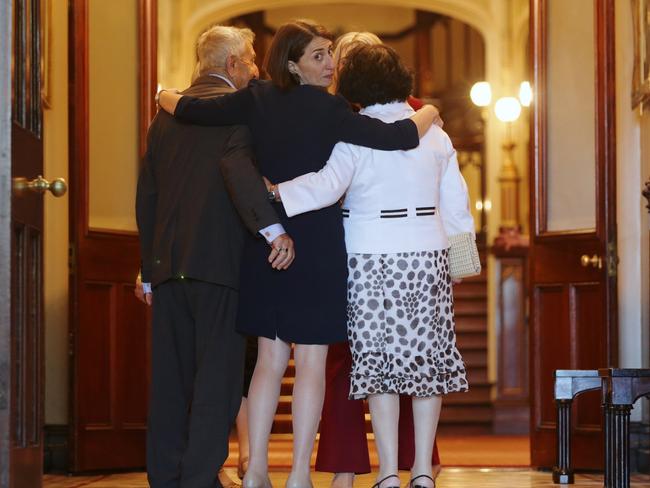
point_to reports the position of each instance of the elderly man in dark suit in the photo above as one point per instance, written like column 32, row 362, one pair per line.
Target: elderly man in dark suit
column 191, row 237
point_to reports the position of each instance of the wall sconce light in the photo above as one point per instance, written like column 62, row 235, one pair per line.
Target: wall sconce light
column 481, row 94
column 507, row 110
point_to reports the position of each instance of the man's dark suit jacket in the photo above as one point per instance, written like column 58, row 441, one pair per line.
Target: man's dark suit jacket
column 189, row 227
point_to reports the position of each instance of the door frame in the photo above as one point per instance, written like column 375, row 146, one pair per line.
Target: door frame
column 6, row 40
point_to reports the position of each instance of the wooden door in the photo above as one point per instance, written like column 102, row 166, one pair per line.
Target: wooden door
column 21, row 363
column 573, row 208
column 112, row 84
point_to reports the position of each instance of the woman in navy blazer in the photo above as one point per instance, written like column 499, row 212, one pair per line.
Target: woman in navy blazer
column 295, row 124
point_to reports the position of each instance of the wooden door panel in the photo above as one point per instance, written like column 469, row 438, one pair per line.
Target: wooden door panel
column 587, row 313
column 112, row 417
column 133, row 359
column 109, row 367
column 549, row 302
column 94, row 348
column 27, row 336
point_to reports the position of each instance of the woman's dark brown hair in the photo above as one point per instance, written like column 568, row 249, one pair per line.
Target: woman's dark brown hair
column 374, row 74
column 289, row 44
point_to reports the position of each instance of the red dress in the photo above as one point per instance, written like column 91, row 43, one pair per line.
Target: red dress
column 343, row 446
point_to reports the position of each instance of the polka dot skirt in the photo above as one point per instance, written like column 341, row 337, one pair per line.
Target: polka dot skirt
column 401, row 325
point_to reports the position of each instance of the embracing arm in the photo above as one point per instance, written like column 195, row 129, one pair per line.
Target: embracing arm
column 244, row 183
column 369, row 132
column 168, row 99
column 248, row 194
column 454, row 198
column 233, row 108
column 424, row 118
column 313, row 191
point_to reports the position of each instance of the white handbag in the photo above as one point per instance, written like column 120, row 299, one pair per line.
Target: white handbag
column 464, row 260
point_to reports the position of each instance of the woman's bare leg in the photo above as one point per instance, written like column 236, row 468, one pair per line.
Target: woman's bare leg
column 342, row 480
column 306, row 406
column 263, row 395
column 426, row 412
column 242, row 438
column 384, row 413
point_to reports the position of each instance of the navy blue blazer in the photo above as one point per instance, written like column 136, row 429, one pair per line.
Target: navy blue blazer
column 294, row 132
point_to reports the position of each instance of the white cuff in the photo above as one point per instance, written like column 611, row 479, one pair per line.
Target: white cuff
column 146, row 287
column 272, row 232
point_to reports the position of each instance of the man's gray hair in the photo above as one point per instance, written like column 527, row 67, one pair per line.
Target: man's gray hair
column 217, row 43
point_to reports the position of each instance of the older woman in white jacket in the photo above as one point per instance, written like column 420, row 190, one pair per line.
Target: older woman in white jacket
column 399, row 208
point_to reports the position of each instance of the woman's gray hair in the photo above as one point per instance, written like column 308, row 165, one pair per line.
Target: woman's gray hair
column 217, row 43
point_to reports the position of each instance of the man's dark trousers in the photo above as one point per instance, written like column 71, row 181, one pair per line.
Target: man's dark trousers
column 197, row 367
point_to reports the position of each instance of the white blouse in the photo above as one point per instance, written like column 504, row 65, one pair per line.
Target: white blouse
column 395, row 201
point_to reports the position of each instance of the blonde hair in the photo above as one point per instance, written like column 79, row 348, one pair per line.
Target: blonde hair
column 217, row 43
column 343, row 46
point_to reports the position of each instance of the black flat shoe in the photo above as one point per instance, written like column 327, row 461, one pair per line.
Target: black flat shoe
column 377, row 485
column 413, row 485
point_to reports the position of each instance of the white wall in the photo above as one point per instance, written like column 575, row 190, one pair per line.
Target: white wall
column 633, row 167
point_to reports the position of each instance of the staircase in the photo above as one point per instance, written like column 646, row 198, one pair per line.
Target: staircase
column 466, row 413
column 470, row 412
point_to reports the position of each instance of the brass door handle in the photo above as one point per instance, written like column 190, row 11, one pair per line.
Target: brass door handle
column 57, row 187
column 594, row 261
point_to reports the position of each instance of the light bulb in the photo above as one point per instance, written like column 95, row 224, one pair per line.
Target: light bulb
column 507, row 109
column 481, row 94
column 525, row 93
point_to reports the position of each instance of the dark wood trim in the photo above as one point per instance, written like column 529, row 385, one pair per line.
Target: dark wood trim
column 606, row 137
column 538, row 31
column 105, row 233
column 6, row 19
column 78, row 154
column 78, row 115
column 577, row 234
column 148, row 39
